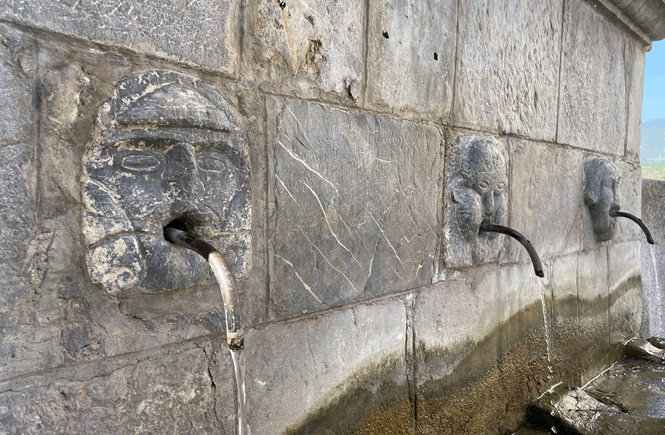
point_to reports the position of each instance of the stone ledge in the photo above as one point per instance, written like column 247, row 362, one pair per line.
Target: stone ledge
column 644, row 19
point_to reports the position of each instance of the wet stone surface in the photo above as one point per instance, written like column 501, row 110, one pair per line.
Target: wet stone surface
column 629, row 398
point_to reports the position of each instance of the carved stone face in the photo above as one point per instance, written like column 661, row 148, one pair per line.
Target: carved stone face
column 480, row 189
column 167, row 148
column 600, row 195
column 476, row 192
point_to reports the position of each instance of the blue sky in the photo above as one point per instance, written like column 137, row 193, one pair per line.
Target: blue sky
column 653, row 105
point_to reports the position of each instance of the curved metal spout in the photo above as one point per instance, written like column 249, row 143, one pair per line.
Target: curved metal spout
column 637, row 220
column 537, row 266
column 235, row 337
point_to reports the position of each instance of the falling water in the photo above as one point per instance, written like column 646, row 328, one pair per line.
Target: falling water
column 547, row 333
column 238, row 356
column 658, row 292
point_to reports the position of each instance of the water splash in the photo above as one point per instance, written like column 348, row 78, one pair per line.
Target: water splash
column 658, row 292
column 547, row 333
column 238, row 356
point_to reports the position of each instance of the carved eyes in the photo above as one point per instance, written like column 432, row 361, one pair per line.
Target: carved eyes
column 609, row 183
column 140, row 162
column 484, row 185
column 211, row 162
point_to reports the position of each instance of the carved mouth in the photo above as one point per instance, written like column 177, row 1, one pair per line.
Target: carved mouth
column 179, row 223
column 486, row 234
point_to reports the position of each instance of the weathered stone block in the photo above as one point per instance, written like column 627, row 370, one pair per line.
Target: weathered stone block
column 120, row 399
column 635, row 58
column 17, row 67
column 30, row 336
column 564, row 289
column 625, row 293
column 412, row 55
column 592, row 112
column 592, row 290
column 173, row 29
column 356, row 199
column 298, row 370
column 17, row 203
column 509, row 66
column 462, row 365
column 567, row 342
column 322, row 39
column 546, row 205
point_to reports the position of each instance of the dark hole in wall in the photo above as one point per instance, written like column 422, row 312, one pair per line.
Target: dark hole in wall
column 281, row 3
column 385, row 34
column 436, row 56
column 180, row 224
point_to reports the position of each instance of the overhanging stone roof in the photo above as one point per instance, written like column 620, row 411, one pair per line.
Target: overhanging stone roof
column 645, row 19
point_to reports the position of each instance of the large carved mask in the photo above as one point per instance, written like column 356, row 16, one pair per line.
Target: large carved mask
column 477, row 192
column 166, row 148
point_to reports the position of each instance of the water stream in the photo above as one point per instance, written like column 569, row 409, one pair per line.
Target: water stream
column 658, row 292
column 547, row 333
column 238, row 356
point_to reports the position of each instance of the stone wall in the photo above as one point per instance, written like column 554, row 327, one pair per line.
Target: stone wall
column 350, row 111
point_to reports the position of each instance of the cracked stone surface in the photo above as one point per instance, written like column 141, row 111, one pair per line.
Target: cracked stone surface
column 355, row 206
column 119, row 399
column 171, row 29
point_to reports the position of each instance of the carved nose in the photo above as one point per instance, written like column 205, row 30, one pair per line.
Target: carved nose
column 488, row 204
column 181, row 175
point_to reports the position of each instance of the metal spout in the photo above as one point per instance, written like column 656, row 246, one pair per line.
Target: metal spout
column 637, row 220
column 537, row 265
column 235, row 336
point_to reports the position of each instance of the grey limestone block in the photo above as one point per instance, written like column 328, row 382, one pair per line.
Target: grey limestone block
column 412, row 56
column 593, row 293
column 546, row 198
column 18, row 206
column 635, row 55
column 567, row 341
column 170, row 29
column 30, row 322
column 508, row 66
column 17, row 71
column 593, row 109
column 321, row 41
column 625, row 293
column 491, row 295
column 120, row 398
column 355, row 211
column 297, row 368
